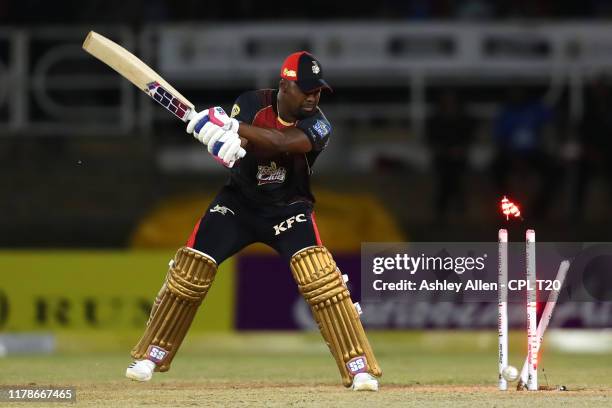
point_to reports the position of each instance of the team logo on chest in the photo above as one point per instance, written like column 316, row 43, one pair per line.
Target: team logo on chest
column 270, row 174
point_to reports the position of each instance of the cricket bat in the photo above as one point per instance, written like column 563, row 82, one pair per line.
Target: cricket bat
column 140, row 74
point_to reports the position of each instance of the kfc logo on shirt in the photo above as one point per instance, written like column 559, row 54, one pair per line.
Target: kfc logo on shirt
column 288, row 223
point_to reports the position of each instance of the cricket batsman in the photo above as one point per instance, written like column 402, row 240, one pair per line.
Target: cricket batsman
column 267, row 199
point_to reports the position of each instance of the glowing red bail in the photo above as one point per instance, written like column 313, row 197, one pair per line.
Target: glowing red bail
column 509, row 209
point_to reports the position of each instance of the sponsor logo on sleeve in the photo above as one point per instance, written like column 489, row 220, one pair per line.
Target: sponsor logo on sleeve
column 235, row 110
column 321, row 128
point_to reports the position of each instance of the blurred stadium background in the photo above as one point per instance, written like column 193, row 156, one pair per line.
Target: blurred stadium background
column 439, row 108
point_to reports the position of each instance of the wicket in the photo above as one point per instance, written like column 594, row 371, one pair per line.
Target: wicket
column 502, row 306
column 535, row 332
column 532, row 299
column 502, row 309
column 545, row 319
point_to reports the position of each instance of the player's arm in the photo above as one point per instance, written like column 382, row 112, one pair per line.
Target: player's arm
column 213, row 126
column 309, row 134
column 289, row 140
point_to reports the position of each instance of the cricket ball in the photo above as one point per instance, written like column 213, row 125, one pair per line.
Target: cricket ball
column 510, row 373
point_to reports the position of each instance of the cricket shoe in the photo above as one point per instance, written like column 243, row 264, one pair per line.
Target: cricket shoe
column 140, row 370
column 365, row 382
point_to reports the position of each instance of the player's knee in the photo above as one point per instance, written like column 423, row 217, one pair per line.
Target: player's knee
column 312, row 250
column 190, row 252
column 317, row 275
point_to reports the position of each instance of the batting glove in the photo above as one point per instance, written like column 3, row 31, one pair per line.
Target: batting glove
column 217, row 116
column 197, row 122
column 204, row 125
column 227, row 150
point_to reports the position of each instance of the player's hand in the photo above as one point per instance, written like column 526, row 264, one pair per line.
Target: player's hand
column 207, row 123
column 229, row 152
column 217, row 116
column 197, row 124
column 202, row 117
column 227, row 149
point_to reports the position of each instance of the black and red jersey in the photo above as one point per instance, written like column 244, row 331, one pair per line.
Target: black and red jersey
column 266, row 178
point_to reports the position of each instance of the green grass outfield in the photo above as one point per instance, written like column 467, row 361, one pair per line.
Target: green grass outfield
column 437, row 368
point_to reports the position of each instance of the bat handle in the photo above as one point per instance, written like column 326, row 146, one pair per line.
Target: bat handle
column 190, row 115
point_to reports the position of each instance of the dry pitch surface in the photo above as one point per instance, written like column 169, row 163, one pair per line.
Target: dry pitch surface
column 294, row 370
